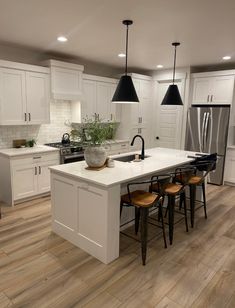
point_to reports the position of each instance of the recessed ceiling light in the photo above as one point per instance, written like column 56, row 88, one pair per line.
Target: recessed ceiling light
column 62, row 39
column 226, row 58
column 121, row 55
column 159, row 66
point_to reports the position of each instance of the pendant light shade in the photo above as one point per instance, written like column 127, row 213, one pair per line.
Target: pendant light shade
column 172, row 96
column 125, row 92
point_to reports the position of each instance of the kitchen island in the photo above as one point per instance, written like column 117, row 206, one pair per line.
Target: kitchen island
column 86, row 204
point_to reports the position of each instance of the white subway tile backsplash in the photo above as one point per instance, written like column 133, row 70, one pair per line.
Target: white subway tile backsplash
column 60, row 112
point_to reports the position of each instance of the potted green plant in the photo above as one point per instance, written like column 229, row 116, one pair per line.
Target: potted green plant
column 93, row 133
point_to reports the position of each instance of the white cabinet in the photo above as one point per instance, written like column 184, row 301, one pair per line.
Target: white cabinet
column 26, row 176
column 24, row 181
column 137, row 118
column 97, row 96
column 37, row 98
column 213, row 89
column 66, row 80
column 24, row 96
column 43, row 176
column 13, row 97
column 229, row 175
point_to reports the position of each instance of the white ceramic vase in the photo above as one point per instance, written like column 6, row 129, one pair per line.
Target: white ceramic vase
column 95, row 156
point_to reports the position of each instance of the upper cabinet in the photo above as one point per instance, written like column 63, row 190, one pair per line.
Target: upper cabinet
column 213, row 88
column 97, row 98
column 24, row 94
column 66, row 80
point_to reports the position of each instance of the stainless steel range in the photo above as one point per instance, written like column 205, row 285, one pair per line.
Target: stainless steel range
column 69, row 152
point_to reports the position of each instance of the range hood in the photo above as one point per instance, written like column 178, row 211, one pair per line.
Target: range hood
column 66, row 80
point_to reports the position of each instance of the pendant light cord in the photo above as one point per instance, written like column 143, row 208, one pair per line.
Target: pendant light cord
column 127, row 30
column 174, row 66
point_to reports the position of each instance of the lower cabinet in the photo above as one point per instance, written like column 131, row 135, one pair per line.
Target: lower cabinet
column 229, row 175
column 25, row 176
column 24, row 181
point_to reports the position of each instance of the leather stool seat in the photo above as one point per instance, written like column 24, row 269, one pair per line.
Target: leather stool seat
column 140, row 198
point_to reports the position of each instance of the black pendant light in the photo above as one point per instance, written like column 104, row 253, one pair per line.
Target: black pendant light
column 172, row 96
column 125, row 92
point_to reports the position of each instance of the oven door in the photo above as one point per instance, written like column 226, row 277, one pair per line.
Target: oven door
column 71, row 158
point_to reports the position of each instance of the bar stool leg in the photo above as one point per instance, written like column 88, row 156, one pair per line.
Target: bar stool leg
column 192, row 189
column 185, row 210
column 204, row 198
column 121, row 206
column 144, row 232
column 163, row 225
column 137, row 219
column 171, row 209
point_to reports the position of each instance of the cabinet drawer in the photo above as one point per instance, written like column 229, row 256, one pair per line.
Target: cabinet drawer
column 36, row 158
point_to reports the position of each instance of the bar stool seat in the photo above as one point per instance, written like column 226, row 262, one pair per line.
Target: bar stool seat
column 193, row 180
column 140, row 198
column 172, row 189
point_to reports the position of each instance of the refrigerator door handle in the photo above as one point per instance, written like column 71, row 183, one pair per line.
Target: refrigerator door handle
column 206, row 126
column 203, row 131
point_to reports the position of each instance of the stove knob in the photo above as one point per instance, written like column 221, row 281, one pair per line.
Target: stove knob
column 64, row 151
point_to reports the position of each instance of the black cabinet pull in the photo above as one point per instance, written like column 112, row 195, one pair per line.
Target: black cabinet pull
column 29, row 116
column 157, row 138
column 25, row 116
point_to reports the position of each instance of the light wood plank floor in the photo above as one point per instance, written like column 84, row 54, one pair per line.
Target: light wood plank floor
column 40, row 269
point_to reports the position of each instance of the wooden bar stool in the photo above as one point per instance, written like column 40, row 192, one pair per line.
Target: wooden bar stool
column 143, row 201
column 168, row 188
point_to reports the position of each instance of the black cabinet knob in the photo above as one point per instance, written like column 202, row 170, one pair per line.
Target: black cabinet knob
column 157, row 138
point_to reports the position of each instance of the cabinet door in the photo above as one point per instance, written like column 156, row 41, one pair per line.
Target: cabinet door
column 222, row 91
column 44, row 183
column 103, row 103
column 13, row 97
column 114, row 110
column 201, row 90
column 229, row 174
column 88, row 104
column 24, row 181
column 37, row 94
column 145, row 105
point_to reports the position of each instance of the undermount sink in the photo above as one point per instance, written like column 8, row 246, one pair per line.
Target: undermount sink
column 128, row 158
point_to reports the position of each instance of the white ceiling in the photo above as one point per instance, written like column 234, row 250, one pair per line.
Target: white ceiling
column 95, row 32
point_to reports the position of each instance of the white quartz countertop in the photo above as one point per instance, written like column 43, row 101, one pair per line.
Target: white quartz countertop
column 231, row 146
column 11, row 152
column 160, row 159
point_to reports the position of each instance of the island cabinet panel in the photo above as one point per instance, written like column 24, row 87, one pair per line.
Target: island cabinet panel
column 90, row 206
column 66, row 212
column 87, row 216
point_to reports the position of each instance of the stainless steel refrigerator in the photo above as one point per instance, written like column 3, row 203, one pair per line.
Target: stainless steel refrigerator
column 207, row 131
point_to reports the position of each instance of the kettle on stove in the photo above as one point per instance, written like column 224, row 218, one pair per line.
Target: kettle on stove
column 65, row 139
